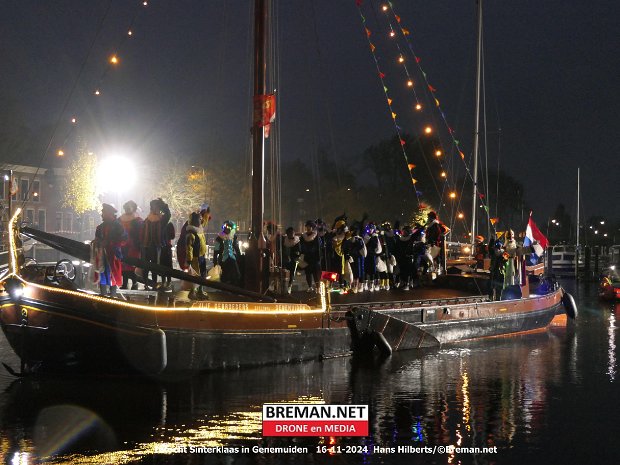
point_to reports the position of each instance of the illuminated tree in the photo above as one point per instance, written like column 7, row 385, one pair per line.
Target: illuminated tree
column 177, row 189
column 80, row 192
column 420, row 215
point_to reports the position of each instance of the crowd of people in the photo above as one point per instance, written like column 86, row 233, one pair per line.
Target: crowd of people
column 363, row 256
column 366, row 257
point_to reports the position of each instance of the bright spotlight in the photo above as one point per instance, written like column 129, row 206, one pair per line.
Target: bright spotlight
column 115, row 174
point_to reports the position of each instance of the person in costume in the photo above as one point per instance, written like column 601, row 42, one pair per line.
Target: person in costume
column 388, row 242
column 338, row 265
column 109, row 238
column 132, row 224
column 496, row 252
column 226, row 253
column 373, row 245
column 205, row 216
column 290, row 251
column 196, row 247
column 436, row 232
column 310, row 248
column 153, row 234
column 403, row 250
column 355, row 254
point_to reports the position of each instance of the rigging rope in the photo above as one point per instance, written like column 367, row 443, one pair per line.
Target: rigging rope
column 68, row 99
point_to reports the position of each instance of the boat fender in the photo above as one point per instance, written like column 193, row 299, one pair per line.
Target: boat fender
column 159, row 334
column 382, row 344
column 569, row 305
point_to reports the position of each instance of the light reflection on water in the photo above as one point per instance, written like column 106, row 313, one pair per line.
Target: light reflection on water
column 518, row 393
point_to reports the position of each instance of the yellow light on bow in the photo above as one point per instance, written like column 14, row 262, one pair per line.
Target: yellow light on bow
column 438, row 153
column 409, row 83
column 73, row 120
column 453, row 195
column 401, row 59
column 418, row 106
column 114, row 59
column 97, row 92
column 384, row 7
column 60, row 153
column 392, row 33
column 461, row 216
column 428, row 130
column 129, row 32
column 443, row 174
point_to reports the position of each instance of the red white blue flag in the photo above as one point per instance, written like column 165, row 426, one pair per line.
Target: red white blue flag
column 532, row 234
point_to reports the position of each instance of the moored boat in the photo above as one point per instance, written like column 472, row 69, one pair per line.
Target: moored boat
column 54, row 326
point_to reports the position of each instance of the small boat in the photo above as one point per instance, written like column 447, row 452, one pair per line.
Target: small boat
column 562, row 259
column 609, row 285
column 54, row 326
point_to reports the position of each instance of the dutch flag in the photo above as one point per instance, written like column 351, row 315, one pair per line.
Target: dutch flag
column 532, row 233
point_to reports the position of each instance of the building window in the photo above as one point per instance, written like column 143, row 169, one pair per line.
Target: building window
column 3, row 184
column 36, row 191
column 42, row 220
column 30, row 216
column 58, row 221
column 68, row 223
column 23, row 187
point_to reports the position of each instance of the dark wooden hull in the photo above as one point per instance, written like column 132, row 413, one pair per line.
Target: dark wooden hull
column 56, row 330
column 450, row 321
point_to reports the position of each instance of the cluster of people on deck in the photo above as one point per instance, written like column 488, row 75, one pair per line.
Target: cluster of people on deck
column 364, row 256
column 130, row 236
column 369, row 257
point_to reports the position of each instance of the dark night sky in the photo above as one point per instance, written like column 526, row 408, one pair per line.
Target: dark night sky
column 183, row 84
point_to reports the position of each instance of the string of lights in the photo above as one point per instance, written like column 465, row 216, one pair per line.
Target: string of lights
column 410, row 166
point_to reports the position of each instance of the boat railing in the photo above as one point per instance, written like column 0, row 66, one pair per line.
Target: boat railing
column 412, row 303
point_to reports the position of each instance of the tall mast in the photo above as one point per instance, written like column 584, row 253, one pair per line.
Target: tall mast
column 476, row 127
column 254, row 257
column 578, row 198
column 577, row 247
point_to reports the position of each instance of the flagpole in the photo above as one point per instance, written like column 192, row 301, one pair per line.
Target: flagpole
column 577, row 247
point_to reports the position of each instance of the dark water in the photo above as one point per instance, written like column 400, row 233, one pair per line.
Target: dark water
column 549, row 397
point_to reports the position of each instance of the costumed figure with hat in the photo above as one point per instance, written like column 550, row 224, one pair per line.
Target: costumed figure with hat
column 310, row 249
column 338, row 239
column 290, row 251
column 226, row 253
column 153, row 236
column 388, row 242
column 106, row 251
column 496, row 253
column 355, row 253
column 436, row 233
column 514, row 266
column 205, row 216
column 403, row 250
column 195, row 247
column 132, row 224
column 373, row 245
column 422, row 259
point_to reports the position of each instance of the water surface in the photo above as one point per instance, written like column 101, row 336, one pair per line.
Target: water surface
column 547, row 397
